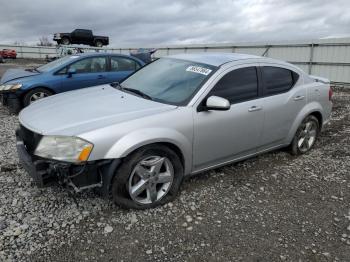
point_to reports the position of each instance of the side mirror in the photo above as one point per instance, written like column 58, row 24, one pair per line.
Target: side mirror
column 71, row 71
column 217, row 103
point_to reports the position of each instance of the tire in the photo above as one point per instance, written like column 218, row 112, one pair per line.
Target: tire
column 306, row 136
column 98, row 43
column 152, row 157
column 35, row 94
column 65, row 41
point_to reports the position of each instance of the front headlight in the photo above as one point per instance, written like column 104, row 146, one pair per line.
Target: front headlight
column 10, row 87
column 64, row 148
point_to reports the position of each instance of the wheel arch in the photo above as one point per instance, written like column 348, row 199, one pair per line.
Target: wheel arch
column 98, row 40
column 138, row 139
column 66, row 36
column 170, row 145
column 314, row 109
column 36, row 87
column 319, row 117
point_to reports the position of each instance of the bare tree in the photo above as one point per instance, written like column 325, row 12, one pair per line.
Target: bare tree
column 19, row 43
column 44, row 41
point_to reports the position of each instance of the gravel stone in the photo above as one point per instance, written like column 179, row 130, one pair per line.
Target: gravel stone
column 304, row 201
column 189, row 219
column 108, row 229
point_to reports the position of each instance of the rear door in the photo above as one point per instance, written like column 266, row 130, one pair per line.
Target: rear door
column 90, row 71
column 284, row 96
column 82, row 36
column 120, row 68
column 221, row 136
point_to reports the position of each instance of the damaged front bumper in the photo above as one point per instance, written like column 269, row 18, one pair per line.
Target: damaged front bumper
column 45, row 172
column 12, row 100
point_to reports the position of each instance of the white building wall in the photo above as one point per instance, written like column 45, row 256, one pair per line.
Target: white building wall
column 328, row 58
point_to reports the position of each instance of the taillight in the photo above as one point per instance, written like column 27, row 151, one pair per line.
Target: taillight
column 330, row 93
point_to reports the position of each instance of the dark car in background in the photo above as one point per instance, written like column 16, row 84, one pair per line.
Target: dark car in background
column 21, row 87
column 81, row 36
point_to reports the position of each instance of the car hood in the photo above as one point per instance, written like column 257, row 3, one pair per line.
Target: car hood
column 77, row 112
column 13, row 74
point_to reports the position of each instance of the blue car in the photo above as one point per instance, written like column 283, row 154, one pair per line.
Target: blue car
column 21, row 87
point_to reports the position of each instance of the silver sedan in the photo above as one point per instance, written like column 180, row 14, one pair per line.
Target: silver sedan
column 180, row 115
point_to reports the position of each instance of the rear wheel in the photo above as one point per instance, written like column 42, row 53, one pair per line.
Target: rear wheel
column 305, row 136
column 98, row 43
column 35, row 94
column 148, row 178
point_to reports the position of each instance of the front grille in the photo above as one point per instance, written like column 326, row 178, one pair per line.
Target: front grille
column 30, row 138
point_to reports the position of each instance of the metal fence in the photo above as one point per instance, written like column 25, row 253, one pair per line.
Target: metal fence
column 328, row 58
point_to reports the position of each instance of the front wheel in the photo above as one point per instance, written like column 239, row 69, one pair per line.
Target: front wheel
column 65, row 41
column 148, row 178
column 305, row 136
column 35, row 94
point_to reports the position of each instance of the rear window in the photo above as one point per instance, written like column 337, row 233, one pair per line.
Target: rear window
column 123, row 64
column 277, row 80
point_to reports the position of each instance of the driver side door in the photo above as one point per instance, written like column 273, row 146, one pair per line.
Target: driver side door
column 222, row 136
column 90, row 71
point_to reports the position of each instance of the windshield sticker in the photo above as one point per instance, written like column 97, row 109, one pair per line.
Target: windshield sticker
column 199, row 70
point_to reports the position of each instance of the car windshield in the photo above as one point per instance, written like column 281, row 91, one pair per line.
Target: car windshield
column 170, row 81
column 56, row 63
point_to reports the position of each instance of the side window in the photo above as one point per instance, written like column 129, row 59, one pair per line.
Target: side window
column 238, row 85
column 277, row 80
column 63, row 71
column 90, row 65
column 123, row 64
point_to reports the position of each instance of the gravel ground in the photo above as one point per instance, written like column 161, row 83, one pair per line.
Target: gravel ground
column 274, row 207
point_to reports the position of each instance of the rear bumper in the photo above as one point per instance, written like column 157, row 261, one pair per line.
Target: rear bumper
column 45, row 172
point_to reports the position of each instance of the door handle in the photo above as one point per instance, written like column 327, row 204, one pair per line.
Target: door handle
column 297, row 98
column 254, row 108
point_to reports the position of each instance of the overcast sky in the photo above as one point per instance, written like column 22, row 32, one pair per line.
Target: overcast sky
column 141, row 23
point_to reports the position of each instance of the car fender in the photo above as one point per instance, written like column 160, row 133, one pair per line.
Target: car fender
column 134, row 140
column 306, row 110
column 28, row 88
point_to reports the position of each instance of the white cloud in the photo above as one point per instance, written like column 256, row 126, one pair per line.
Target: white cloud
column 162, row 22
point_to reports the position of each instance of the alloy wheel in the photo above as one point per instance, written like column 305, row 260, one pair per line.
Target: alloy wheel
column 36, row 96
column 307, row 136
column 151, row 179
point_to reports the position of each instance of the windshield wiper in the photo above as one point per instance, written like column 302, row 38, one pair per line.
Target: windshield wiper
column 137, row 92
column 32, row 69
column 131, row 90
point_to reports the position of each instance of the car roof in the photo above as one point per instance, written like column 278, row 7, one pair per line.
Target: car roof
column 92, row 54
column 215, row 59
column 99, row 54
